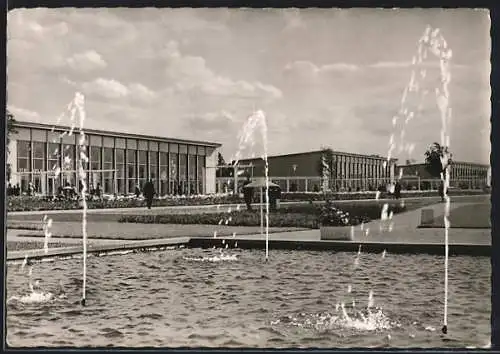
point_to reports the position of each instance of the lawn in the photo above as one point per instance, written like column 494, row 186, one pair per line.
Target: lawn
column 471, row 216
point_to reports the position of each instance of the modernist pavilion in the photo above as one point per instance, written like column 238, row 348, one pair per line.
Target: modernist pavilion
column 118, row 162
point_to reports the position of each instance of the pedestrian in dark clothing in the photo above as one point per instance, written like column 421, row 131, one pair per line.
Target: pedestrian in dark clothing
column 248, row 194
column 98, row 191
column 149, row 192
column 137, row 191
column 397, row 190
column 441, row 191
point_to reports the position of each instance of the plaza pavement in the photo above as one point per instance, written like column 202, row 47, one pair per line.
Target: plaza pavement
column 113, row 234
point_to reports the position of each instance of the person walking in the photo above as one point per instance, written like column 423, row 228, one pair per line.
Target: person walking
column 248, row 194
column 397, row 190
column 149, row 192
column 441, row 190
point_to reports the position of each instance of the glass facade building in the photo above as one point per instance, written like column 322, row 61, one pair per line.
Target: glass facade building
column 49, row 158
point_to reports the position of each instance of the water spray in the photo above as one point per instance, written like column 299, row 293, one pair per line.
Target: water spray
column 433, row 41
column 257, row 119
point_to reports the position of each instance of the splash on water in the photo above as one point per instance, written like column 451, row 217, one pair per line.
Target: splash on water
column 370, row 300
column 213, row 259
column 340, row 320
column 34, row 297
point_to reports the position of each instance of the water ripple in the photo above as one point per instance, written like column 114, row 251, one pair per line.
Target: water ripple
column 203, row 298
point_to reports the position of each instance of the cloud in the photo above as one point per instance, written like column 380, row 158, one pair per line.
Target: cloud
column 431, row 63
column 192, row 73
column 212, row 121
column 113, row 89
column 307, row 69
column 22, row 114
column 293, row 20
column 20, row 26
column 86, row 61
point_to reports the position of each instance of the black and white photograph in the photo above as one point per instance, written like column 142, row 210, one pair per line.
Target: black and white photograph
column 248, row 178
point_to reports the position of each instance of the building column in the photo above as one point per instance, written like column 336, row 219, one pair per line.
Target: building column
column 115, row 173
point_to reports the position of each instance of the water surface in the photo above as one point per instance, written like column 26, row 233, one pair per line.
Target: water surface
column 195, row 297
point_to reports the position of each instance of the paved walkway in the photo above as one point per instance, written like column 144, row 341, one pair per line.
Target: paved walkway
column 130, row 231
column 404, row 230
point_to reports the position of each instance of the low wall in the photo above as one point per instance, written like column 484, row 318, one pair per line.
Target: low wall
column 347, row 246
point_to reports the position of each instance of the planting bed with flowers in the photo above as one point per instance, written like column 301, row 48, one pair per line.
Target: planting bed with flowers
column 25, row 203
column 306, row 215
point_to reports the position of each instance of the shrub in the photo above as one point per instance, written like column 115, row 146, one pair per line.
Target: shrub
column 25, row 203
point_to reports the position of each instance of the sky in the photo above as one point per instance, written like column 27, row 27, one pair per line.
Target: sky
column 323, row 77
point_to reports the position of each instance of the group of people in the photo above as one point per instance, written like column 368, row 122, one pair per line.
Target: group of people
column 13, row 190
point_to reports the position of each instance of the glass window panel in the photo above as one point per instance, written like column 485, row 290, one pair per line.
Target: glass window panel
column 38, row 135
column 153, row 158
column 142, row 155
column 132, row 144
column 22, row 165
column 131, row 156
column 192, row 167
column 153, row 146
column 163, row 173
column 38, row 164
column 108, row 142
column 95, row 154
column 182, row 166
column 173, row 166
column 120, row 156
column 23, row 149
column 131, row 171
column 54, row 150
column 120, row 143
column 164, row 147
column 108, row 155
column 163, row 159
column 143, row 145
column 38, row 150
column 153, row 171
column 121, row 171
column 142, row 171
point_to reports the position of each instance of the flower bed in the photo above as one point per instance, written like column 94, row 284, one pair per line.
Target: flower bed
column 305, row 215
column 235, row 218
column 25, row 203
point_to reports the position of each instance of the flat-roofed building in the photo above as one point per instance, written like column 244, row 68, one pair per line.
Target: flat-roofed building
column 464, row 175
column 117, row 161
column 301, row 172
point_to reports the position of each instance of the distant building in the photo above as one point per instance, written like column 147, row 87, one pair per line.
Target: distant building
column 117, row 161
column 301, row 172
column 466, row 175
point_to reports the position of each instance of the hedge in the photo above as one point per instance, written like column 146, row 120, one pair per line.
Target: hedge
column 24, row 203
column 304, row 216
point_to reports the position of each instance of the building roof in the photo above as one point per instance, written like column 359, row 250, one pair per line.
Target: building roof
column 319, row 151
column 475, row 164
column 21, row 124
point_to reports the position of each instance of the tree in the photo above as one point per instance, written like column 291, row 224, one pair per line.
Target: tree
column 11, row 121
column 222, row 170
column 220, row 160
column 325, row 164
column 437, row 159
